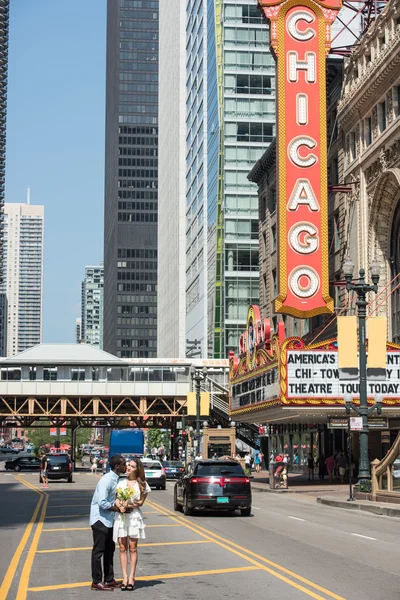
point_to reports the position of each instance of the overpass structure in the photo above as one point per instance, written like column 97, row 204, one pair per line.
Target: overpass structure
column 76, row 385
column 71, row 385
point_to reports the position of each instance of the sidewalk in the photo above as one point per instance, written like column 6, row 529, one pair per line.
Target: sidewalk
column 330, row 494
column 298, row 484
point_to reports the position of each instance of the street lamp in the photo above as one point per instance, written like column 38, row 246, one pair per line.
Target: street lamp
column 198, row 375
column 362, row 289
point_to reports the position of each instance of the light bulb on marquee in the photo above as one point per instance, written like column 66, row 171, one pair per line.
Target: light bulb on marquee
column 300, row 41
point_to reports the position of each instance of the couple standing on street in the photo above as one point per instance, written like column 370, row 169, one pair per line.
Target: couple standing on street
column 117, row 521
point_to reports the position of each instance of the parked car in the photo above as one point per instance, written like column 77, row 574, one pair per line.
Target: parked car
column 155, row 474
column 9, row 450
column 213, row 485
column 23, row 463
column 59, row 467
column 173, row 468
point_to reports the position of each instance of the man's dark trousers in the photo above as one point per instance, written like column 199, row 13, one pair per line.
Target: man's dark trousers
column 103, row 547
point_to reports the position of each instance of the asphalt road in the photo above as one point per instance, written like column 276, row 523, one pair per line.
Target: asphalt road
column 290, row 548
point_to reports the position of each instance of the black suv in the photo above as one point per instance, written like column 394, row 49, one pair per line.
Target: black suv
column 213, row 485
column 59, row 467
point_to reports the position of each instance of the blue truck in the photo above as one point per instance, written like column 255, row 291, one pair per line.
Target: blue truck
column 128, row 442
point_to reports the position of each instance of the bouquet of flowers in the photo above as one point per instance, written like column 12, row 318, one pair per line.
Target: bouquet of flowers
column 127, row 494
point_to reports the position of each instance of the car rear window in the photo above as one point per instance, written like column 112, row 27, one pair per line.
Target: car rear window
column 54, row 460
column 219, row 469
column 152, row 465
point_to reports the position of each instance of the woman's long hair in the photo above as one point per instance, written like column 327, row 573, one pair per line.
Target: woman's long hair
column 140, row 475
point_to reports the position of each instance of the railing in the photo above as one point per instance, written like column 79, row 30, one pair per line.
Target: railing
column 246, row 432
column 386, row 474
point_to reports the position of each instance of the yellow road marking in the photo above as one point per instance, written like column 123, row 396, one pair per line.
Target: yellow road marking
column 26, row 571
column 68, row 529
column 8, row 578
column 48, row 588
column 66, row 516
column 140, row 546
column 165, row 525
column 226, row 544
column 89, row 528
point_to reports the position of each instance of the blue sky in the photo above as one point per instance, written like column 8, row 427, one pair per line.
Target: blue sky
column 55, row 140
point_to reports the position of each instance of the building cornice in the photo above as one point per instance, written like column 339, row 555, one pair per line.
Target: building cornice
column 367, row 89
column 264, row 164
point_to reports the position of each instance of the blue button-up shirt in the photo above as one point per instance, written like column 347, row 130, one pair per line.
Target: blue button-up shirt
column 103, row 499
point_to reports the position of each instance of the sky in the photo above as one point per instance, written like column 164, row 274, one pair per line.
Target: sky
column 55, row 141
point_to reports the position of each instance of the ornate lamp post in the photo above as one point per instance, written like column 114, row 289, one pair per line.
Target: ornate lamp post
column 198, row 375
column 362, row 288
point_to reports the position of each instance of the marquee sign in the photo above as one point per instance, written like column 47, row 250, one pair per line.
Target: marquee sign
column 316, row 374
column 300, row 40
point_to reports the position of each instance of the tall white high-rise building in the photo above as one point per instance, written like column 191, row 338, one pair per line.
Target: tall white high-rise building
column 92, row 306
column 230, row 121
column 23, row 275
column 171, row 300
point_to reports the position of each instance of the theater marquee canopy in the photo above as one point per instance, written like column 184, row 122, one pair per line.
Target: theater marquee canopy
column 281, row 380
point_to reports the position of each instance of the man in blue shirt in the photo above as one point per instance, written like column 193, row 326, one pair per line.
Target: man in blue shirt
column 102, row 512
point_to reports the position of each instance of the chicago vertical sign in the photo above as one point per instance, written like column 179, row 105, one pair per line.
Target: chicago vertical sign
column 300, row 40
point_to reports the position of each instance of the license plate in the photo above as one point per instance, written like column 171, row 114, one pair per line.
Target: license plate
column 56, row 468
column 173, row 470
column 149, row 474
column 222, row 500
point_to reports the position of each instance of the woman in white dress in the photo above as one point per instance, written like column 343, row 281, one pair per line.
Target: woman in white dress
column 129, row 526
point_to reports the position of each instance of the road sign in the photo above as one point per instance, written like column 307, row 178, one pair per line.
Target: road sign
column 356, row 423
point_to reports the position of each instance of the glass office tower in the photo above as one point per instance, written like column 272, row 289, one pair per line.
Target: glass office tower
column 131, row 172
column 230, row 90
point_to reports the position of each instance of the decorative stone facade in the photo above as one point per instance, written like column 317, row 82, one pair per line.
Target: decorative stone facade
column 369, row 124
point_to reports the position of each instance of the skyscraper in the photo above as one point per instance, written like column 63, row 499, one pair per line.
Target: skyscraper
column 230, row 121
column 23, row 275
column 92, row 306
column 171, row 304
column 4, row 17
column 131, row 173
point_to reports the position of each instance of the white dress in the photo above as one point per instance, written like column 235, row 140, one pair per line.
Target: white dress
column 130, row 524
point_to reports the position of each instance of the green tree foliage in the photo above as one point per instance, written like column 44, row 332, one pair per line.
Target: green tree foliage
column 40, row 436
column 156, row 439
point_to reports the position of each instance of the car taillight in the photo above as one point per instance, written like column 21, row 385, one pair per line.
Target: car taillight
column 70, row 466
column 194, row 480
column 247, row 480
column 162, row 471
column 181, row 470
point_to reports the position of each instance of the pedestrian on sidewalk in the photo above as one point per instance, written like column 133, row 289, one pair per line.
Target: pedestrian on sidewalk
column 321, row 467
column 330, row 466
column 247, row 460
column 311, row 466
column 257, row 462
column 342, row 465
column 102, row 511
column 93, row 468
column 261, row 455
column 43, row 470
